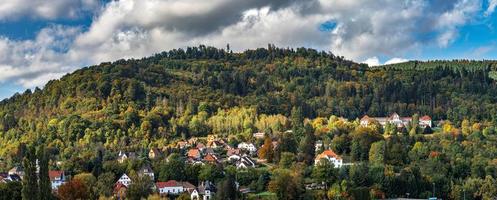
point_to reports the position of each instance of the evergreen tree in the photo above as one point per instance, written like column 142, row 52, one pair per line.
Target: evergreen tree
column 44, row 183
column 30, row 180
column 227, row 189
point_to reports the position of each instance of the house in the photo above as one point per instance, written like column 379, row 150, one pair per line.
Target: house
column 120, row 191
column 154, row 153
column 125, row 180
column 174, row 187
column 200, row 146
column 182, row 144
column 210, row 158
column 57, row 178
column 234, row 158
column 331, row 156
column 247, row 147
column 394, row 119
column 232, row 151
column 259, row 135
column 5, row 177
column 147, row 171
column 204, row 191
column 425, row 121
column 215, row 144
column 194, row 153
column 209, row 150
column 17, row 171
column 318, row 145
column 122, row 156
column 245, row 162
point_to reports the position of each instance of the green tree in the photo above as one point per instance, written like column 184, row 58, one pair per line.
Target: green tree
column 377, row 153
column 140, row 187
column 44, row 183
column 30, row 180
column 11, row 190
column 325, row 172
column 285, row 185
column 227, row 189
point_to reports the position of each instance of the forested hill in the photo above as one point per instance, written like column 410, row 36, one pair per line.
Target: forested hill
column 167, row 91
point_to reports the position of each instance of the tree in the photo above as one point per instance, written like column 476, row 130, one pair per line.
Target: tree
column 10, row 190
column 172, row 169
column 30, row 180
column 44, row 183
column 262, row 181
column 103, row 187
column 285, row 185
column 266, row 151
column 377, row 153
column 307, row 146
column 74, row 189
column 89, row 181
column 325, row 172
column 140, row 187
column 227, row 189
column 287, row 159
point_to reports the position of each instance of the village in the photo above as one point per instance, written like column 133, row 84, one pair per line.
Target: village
column 216, row 151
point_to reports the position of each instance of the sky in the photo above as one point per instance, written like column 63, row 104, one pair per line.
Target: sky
column 42, row 40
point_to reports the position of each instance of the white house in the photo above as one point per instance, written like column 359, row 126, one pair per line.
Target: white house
column 425, row 121
column 125, row 156
column 331, row 156
column 248, row 147
column 57, row 178
column 174, row 187
column 245, row 162
column 203, row 192
column 125, row 180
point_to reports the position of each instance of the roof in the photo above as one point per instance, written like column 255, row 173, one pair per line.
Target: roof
column 170, row 183
column 210, row 158
column 118, row 187
column 232, row 151
column 365, row 118
column 425, row 118
column 53, row 174
column 329, row 154
column 193, row 153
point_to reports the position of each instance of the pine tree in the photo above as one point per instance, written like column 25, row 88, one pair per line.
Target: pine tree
column 44, row 183
column 30, row 180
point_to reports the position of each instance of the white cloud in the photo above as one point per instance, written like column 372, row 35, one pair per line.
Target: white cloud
column 491, row 7
column 45, row 9
column 135, row 28
column 395, row 61
column 373, row 61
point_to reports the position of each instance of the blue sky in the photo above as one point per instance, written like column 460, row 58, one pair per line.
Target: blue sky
column 42, row 40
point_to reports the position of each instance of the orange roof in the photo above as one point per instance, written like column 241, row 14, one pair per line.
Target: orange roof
column 210, row 158
column 366, row 117
column 118, row 186
column 425, row 118
column 328, row 153
column 195, row 153
column 55, row 174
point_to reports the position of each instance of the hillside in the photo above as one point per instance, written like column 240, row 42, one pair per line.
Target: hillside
column 164, row 95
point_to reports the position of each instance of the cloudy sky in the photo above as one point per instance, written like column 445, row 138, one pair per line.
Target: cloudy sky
column 42, row 40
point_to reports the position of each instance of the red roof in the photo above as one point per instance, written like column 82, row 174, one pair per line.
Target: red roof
column 118, row 187
column 328, row 153
column 425, row 118
column 170, row 183
column 210, row 158
column 194, row 153
column 55, row 174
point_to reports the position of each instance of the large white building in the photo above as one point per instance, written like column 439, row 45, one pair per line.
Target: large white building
column 174, row 187
column 396, row 120
column 331, row 156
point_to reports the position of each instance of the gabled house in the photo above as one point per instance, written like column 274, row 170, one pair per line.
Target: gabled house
column 146, row 170
column 182, row 144
column 57, row 178
column 120, row 191
column 247, row 147
column 425, row 121
column 174, row 187
column 210, row 158
column 232, row 151
column 194, row 153
column 125, row 180
column 154, row 153
column 331, row 156
column 245, row 162
column 204, row 191
column 200, row 146
column 122, row 156
column 19, row 171
column 215, row 144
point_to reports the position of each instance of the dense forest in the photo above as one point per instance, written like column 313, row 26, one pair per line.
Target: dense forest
column 137, row 104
